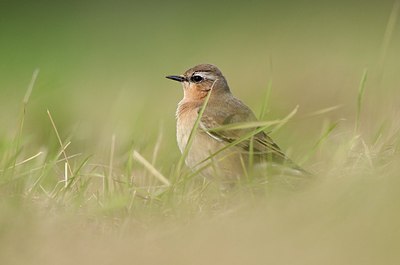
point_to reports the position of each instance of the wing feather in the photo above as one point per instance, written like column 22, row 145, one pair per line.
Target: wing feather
column 234, row 111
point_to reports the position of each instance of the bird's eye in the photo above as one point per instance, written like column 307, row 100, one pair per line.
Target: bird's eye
column 196, row 78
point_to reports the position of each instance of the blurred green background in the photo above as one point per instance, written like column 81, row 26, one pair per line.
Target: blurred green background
column 102, row 65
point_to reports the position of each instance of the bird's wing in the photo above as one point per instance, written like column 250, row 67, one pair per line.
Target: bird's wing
column 233, row 112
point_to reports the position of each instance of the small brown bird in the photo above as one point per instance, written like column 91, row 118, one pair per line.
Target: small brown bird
column 222, row 109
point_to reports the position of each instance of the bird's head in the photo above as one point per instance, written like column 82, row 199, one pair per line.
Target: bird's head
column 198, row 81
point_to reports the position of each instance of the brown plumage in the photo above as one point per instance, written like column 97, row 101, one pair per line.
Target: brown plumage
column 222, row 109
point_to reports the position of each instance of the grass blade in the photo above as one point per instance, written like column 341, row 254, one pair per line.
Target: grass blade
column 323, row 111
column 387, row 37
column 25, row 101
column 63, row 147
column 138, row 157
column 361, row 90
column 193, row 132
column 248, row 136
column 266, row 100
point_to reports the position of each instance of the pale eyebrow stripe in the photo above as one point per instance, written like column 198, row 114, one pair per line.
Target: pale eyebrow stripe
column 206, row 75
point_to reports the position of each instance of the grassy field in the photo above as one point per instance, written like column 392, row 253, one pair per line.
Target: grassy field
column 89, row 166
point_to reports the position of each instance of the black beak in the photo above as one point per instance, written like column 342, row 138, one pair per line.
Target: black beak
column 176, row 78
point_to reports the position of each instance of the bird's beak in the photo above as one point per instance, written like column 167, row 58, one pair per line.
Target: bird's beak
column 178, row 78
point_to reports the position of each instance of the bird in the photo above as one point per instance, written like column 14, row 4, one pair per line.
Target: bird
column 212, row 152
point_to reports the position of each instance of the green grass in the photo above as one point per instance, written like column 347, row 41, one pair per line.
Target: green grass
column 90, row 172
column 126, row 209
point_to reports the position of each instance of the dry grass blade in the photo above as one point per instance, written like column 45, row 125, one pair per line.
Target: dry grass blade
column 323, row 111
column 107, row 184
column 63, row 147
column 138, row 157
column 65, row 175
column 25, row 160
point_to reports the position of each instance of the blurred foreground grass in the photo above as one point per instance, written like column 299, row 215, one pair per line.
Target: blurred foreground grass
column 101, row 86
